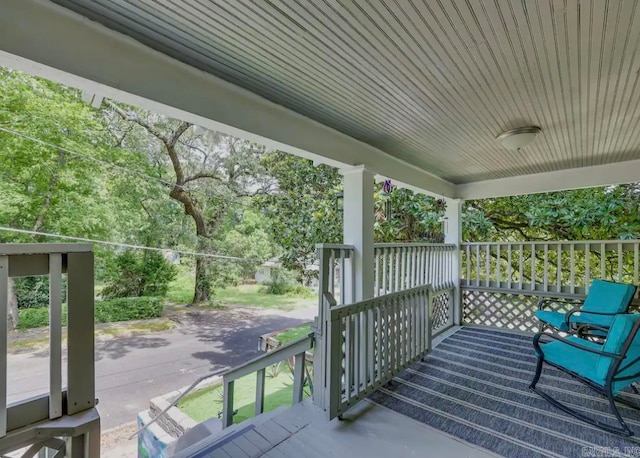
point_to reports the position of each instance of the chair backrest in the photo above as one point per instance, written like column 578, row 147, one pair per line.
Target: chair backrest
column 621, row 328
column 608, row 297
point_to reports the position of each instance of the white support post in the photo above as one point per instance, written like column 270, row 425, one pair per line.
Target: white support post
column 358, row 228
column 453, row 234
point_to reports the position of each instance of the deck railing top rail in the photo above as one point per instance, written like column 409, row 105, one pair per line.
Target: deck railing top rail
column 414, row 244
column 556, row 242
column 335, row 246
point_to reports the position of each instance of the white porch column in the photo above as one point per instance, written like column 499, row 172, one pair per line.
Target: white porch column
column 453, row 234
column 358, row 227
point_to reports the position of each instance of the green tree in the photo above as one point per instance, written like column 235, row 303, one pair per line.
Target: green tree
column 583, row 214
column 204, row 171
column 46, row 188
column 303, row 209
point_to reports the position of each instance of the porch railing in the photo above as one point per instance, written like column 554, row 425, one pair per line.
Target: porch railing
column 296, row 350
column 62, row 421
column 400, row 266
column 501, row 282
column 369, row 342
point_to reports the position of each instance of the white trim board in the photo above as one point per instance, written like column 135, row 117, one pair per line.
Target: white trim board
column 582, row 177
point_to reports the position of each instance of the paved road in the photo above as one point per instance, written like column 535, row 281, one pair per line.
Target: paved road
column 132, row 370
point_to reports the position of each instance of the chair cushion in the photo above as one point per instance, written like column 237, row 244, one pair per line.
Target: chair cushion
column 596, row 367
column 574, row 359
column 608, row 297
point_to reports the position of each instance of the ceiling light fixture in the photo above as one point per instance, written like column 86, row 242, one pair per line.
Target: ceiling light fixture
column 515, row 139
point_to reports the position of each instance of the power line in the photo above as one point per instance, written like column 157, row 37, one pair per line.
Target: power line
column 124, row 245
column 118, row 166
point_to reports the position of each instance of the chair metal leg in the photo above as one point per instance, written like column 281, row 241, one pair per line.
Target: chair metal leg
column 614, row 408
column 623, row 430
column 536, row 377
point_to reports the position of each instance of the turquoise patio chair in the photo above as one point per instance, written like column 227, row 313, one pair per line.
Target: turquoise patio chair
column 604, row 301
column 606, row 368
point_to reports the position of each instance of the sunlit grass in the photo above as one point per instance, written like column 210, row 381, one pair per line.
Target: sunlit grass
column 206, row 403
column 181, row 292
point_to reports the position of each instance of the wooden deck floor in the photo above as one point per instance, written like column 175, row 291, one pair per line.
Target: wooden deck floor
column 368, row 430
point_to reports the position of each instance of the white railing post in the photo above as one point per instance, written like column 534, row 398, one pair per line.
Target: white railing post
column 453, row 235
column 55, row 335
column 320, row 328
column 358, row 227
column 4, row 310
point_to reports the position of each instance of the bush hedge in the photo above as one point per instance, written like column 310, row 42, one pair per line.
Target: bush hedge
column 123, row 309
column 34, row 291
column 129, row 308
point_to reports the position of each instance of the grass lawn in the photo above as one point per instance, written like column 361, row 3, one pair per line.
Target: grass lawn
column 294, row 333
column 206, row 403
column 181, row 292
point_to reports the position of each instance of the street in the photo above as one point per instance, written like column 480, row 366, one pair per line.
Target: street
column 132, row 370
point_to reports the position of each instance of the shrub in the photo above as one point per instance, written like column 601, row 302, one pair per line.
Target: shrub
column 299, row 290
column 34, row 291
column 129, row 308
column 122, row 309
column 281, row 280
column 37, row 317
column 133, row 274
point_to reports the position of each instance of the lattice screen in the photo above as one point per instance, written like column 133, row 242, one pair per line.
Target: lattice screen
column 505, row 310
column 440, row 310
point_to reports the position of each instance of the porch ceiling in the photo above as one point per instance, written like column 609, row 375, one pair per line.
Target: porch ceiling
column 432, row 83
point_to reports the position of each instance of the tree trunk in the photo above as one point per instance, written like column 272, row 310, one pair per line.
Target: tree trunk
column 203, row 285
column 53, row 181
column 12, row 307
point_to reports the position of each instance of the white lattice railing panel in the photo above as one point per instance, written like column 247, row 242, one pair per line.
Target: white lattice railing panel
column 506, row 310
column 441, row 311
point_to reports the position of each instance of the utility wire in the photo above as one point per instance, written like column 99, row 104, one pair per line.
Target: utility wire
column 123, row 245
column 118, row 167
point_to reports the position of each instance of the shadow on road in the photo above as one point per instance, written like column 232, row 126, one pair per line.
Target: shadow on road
column 234, row 339
column 119, row 347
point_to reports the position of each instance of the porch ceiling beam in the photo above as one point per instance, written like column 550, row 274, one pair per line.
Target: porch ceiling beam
column 583, row 177
column 47, row 40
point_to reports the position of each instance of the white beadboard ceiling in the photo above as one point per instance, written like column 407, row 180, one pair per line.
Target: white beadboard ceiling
column 432, row 82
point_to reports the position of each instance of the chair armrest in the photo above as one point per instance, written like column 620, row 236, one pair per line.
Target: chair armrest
column 539, row 351
column 544, row 301
column 591, row 327
column 590, row 330
column 567, row 316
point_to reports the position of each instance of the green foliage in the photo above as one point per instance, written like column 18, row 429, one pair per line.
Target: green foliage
column 37, row 317
column 34, row 291
column 123, row 309
column 280, row 283
column 129, row 308
column 582, row 214
column 243, row 235
column 135, row 274
column 403, row 216
column 299, row 291
column 304, row 211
